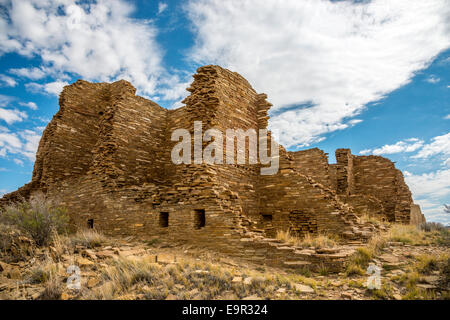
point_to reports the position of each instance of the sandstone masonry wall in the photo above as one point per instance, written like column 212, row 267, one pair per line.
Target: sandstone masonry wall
column 377, row 177
column 313, row 163
column 106, row 155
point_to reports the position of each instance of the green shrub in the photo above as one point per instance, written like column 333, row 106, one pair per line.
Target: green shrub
column 38, row 217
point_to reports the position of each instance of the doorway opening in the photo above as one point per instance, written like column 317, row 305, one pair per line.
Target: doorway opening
column 163, row 219
column 199, row 218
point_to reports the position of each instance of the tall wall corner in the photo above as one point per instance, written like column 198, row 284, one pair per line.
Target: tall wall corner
column 344, row 172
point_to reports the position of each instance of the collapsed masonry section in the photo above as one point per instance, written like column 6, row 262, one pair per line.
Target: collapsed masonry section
column 106, row 155
column 371, row 185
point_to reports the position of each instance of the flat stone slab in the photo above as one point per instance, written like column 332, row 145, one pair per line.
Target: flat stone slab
column 429, row 279
column 286, row 248
column 426, row 286
column 389, row 258
column 303, row 288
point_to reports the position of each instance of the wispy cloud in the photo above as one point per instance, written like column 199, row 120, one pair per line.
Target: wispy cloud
column 434, row 184
column 30, row 73
column 408, row 145
column 339, row 55
column 12, row 115
column 7, row 81
column 162, row 6
column 5, row 100
column 431, row 190
column 446, row 163
column 18, row 162
column 53, row 88
column 30, row 105
column 433, row 79
column 438, row 145
column 22, row 143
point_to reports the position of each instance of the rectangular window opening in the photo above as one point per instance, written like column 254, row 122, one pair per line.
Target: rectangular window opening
column 163, row 219
column 199, row 218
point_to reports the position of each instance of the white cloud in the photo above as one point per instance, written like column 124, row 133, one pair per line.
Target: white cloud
column 12, row 115
column 7, row 81
column 30, row 143
column 174, row 88
column 433, row 79
column 30, row 105
column 339, row 56
column 425, row 204
column 355, row 121
column 9, row 142
column 9, row 115
column 161, row 7
column 365, row 151
column 30, row 73
column 55, row 87
column 438, row 145
column 434, row 184
column 408, row 145
column 5, row 100
column 447, row 117
column 446, row 163
column 96, row 41
column 23, row 143
column 431, row 190
column 18, row 162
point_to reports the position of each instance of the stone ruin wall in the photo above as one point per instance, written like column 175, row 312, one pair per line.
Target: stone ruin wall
column 313, row 163
column 369, row 184
column 106, row 155
column 376, row 177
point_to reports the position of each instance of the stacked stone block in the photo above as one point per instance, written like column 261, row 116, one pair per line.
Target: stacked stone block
column 106, row 155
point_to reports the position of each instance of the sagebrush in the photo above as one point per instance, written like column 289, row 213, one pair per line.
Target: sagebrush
column 37, row 217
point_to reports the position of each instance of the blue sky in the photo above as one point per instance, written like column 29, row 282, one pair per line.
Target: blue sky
column 373, row 76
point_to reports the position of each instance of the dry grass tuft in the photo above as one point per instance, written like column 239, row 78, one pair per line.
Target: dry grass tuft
column 53, row 289
column 407, row 234
column 308, row 241
column 372, row 219
column 43, row 271
column 424, row 265
column 354, row 269
column 141, row 278
column 384, row 293
column 88, row 238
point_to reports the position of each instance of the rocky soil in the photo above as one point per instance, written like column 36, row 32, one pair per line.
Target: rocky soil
column 125, row 268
